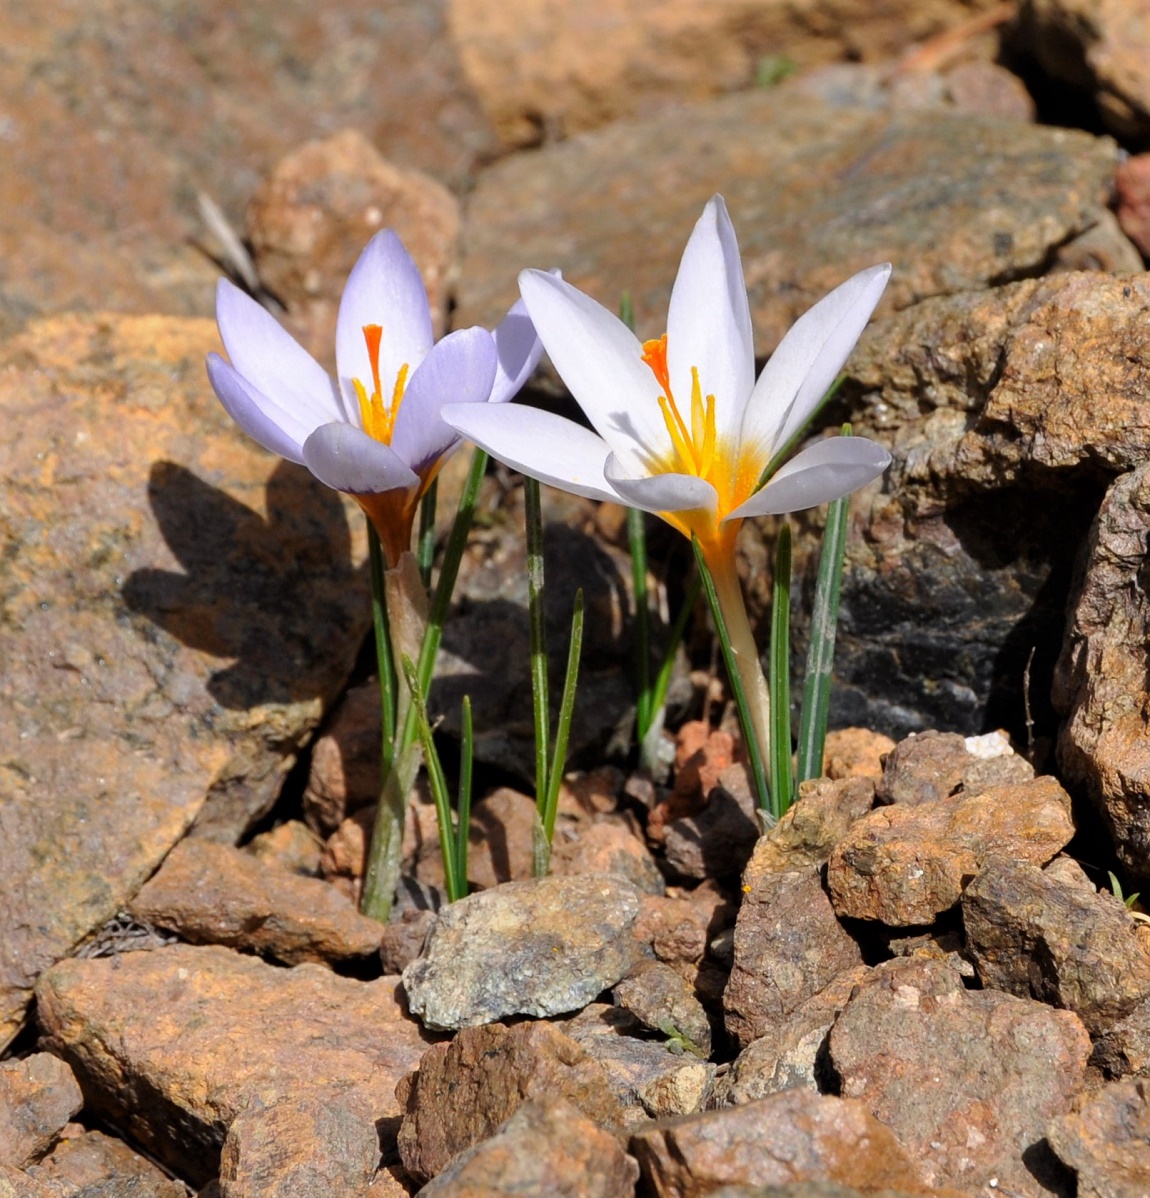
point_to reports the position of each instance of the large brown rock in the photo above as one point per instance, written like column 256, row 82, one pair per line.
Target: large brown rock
column 172, row 1045
column 966, row 1080
column 1101, row 679
column 88, row 1163
column 465, row 1090
column 545, row 68
column 38, row 1095
column 905, row 864
column 178, row 607
column 791, row 1137
column 1106, row 1141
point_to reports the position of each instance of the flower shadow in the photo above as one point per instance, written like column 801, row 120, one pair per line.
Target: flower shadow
column 279, row 595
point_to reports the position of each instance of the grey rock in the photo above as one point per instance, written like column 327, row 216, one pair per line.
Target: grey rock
column 559, row 941
column 664, row 1001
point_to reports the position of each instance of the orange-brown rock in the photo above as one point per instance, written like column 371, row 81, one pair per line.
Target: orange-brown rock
column 86, row 1162
column 608, row 844
column 791, row 1137
column 169, row 645
column 464, row 1090
column 291, row 845
column 38, row 1095
column 553, row 69
column 1106, row 1141
column 855, row 752
column 319, row 207
column 344, row 774
column 904, row 865
column 215, row 894
column 172, row 1045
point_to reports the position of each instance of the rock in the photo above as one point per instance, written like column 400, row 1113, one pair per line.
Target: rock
column 90, row 1164
column 1106, row 1141
column 173, row 1044
column 214, row 894
column 140, row 146
column 649, row 1077
column 990, row 402
column 305, row 1145
column 855, row 753
column 966, row 1080
column 716, row 843
column 934, row 765
column 403, row 939
column 811, row 827
column 552, row 70
column 311, row 217
column 1132, row 188
column 15, row 1183
column 945, row 946
column 664, row 1002
column 170, row 646
column 1123, row 1050
column 904, row 864
column 1100, row 682
column 559, row 941
column 1099, row 46
column 816, row 191
column 790, row 1053
column 291, row 846
column 501, row 842
column 796, row 1136
column 465, row 1090
column 344, row 774
column 548, row 1147
column 788, row 947
column 610, row 844
column 38, row 1095
column 1036, row 937
column 677, row 927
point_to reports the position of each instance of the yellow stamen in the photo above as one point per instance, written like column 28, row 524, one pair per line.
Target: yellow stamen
column 680, row 439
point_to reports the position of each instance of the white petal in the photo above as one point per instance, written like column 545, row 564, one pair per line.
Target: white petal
column 601, row 361
column 349, row 460
column 709, row 322
column 545, row 446
column 661, row 492
column 262, row 419
column 808, row 360
column 827, row 470
column 518, row 350
column 271, row 360
column 459, row 369
column 384, row 288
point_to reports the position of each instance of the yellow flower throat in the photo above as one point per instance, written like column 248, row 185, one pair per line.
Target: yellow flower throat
column 378, row 419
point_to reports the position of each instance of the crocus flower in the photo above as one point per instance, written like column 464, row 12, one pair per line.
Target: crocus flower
column 375, row 431
column 681, row 426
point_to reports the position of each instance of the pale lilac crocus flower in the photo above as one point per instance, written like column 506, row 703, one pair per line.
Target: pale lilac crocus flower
column 374, row 432
column 681, row 426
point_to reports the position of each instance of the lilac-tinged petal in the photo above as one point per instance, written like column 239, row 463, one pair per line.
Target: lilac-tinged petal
column 384, row 288
column 271, row 360
column 547, row 447
column 518, row 350
column 825, row 471
column 601, row 361
column 709, row 322
column 661, row 492
column 349, row 460
column 261, row 418
column 809, row 358
column 459, row 369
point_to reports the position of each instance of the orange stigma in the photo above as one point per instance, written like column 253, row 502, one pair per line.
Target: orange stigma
column 378, row 420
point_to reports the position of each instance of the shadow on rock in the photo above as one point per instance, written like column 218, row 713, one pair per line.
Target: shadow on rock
column 272, row 593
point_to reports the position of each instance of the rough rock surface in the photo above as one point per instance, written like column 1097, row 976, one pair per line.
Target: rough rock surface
column 1036, row 937
column 967, row 1080
column 554, row 69
column 788, row 947
column 291, row 845
column 38, row 1095
column 1100, row 682
column 608, row 844
column 904, row 864
column 548, row 1147
column 90, row 1164
column 796, row 1136
column 1124, row 1049
column 168, row 646
column 214, row 894
column 662, row 1000
column 1106, row 1141
column 300, row 1145
column 465, row 1090
column 171, row 1045
column 716, row 842
column 935, row 765
column 559, row 941
column 816, row 192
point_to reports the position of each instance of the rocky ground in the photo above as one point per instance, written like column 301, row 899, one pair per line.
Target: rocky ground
column 919, row 982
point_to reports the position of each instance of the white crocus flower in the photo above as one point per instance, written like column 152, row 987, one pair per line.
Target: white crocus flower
column 681, row 426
